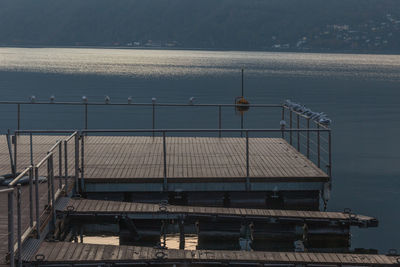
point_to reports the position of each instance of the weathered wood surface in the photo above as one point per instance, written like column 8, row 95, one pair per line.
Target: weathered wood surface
column 85, row 206
column 64, row 252
column 141, row 157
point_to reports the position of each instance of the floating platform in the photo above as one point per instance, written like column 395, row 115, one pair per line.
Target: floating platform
column 72, row 254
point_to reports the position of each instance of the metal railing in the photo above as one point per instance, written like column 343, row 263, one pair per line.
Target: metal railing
column 164, row 132
column 36, row 193
column 154, row 105
column 315, row 145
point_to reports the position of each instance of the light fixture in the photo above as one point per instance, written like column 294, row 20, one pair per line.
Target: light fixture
column 32, row 99
column 107, row 99
column 191, row 100
column 84, row 99
column 130, row 100
column 52, row 99
column 154, row 100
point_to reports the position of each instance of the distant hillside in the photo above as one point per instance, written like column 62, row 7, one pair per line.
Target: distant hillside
column 215, row 24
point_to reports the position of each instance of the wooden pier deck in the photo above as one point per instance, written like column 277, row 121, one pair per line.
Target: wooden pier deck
column 140, row 158
column 78, row 253
column 76, row 207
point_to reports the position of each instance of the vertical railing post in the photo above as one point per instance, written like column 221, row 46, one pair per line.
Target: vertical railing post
column 86, row 116
column 50, row 164
column 82, row 163
column 283, row 120
column 247, row 162
column 19, row 225
column 330, row 153
column 153, row 124
column 219, row 120
column 308, row 138
column 291, row 126
column 18, row 116
column 15, row 152
column 31, row 196
column 165, row 187
column 66, row 166
column 11, row 228
column 31, row 147
column 76, row 163
column 318, row 147
column 60, row 165
column 48, row 184
column 36, row 170
column 298, row 132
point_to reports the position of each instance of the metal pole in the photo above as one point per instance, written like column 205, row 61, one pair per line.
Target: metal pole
column 298, row 132
column 318, row 148
column 219, row 120
column 11, row 228
column 53, row 201
column 31, row 147
column 241, row 125
column 59, row 165
column 154, row 117
column 66, row 165
column 86, row 116
column 308, row 138
column 19, row 226
column 76, row 163
column 18, row 116
column 181, row 234
column 283, row 119
column 290, row 125
column 15, row 153
column 330, row 153
column 37, row 201
column 82, row 163
column 165, row 162
column 242, row 83
column 31, row 196
column 247, row 162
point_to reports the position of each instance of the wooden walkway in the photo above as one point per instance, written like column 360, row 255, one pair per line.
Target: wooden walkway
column 101, row 207
column 64, row 252
column 140, row 158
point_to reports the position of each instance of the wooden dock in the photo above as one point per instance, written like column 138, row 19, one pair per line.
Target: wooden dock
column 140, row 158
column 78, row 253
column 82, row 207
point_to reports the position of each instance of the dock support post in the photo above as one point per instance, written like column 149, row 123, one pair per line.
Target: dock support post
column 291, row 126
column 31, row 196
column 308, row 138
column 165, row 186
column 76, row 163
column 66, row 166
column 19, row 225
column 37, row 202
column 219, row 120
column 247, row 163
column 181, row 234
column 298, row 132
column 318, row 147
column 11, row 228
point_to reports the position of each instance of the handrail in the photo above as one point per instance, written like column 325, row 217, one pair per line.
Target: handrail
column 44, row 159
column 22, row 174
column 71, row 136
column 7, row 190
column 139, row 104
column 54, row 146
column 199, row 130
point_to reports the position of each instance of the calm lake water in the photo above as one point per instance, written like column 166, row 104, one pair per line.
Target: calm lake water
column 359, row 92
